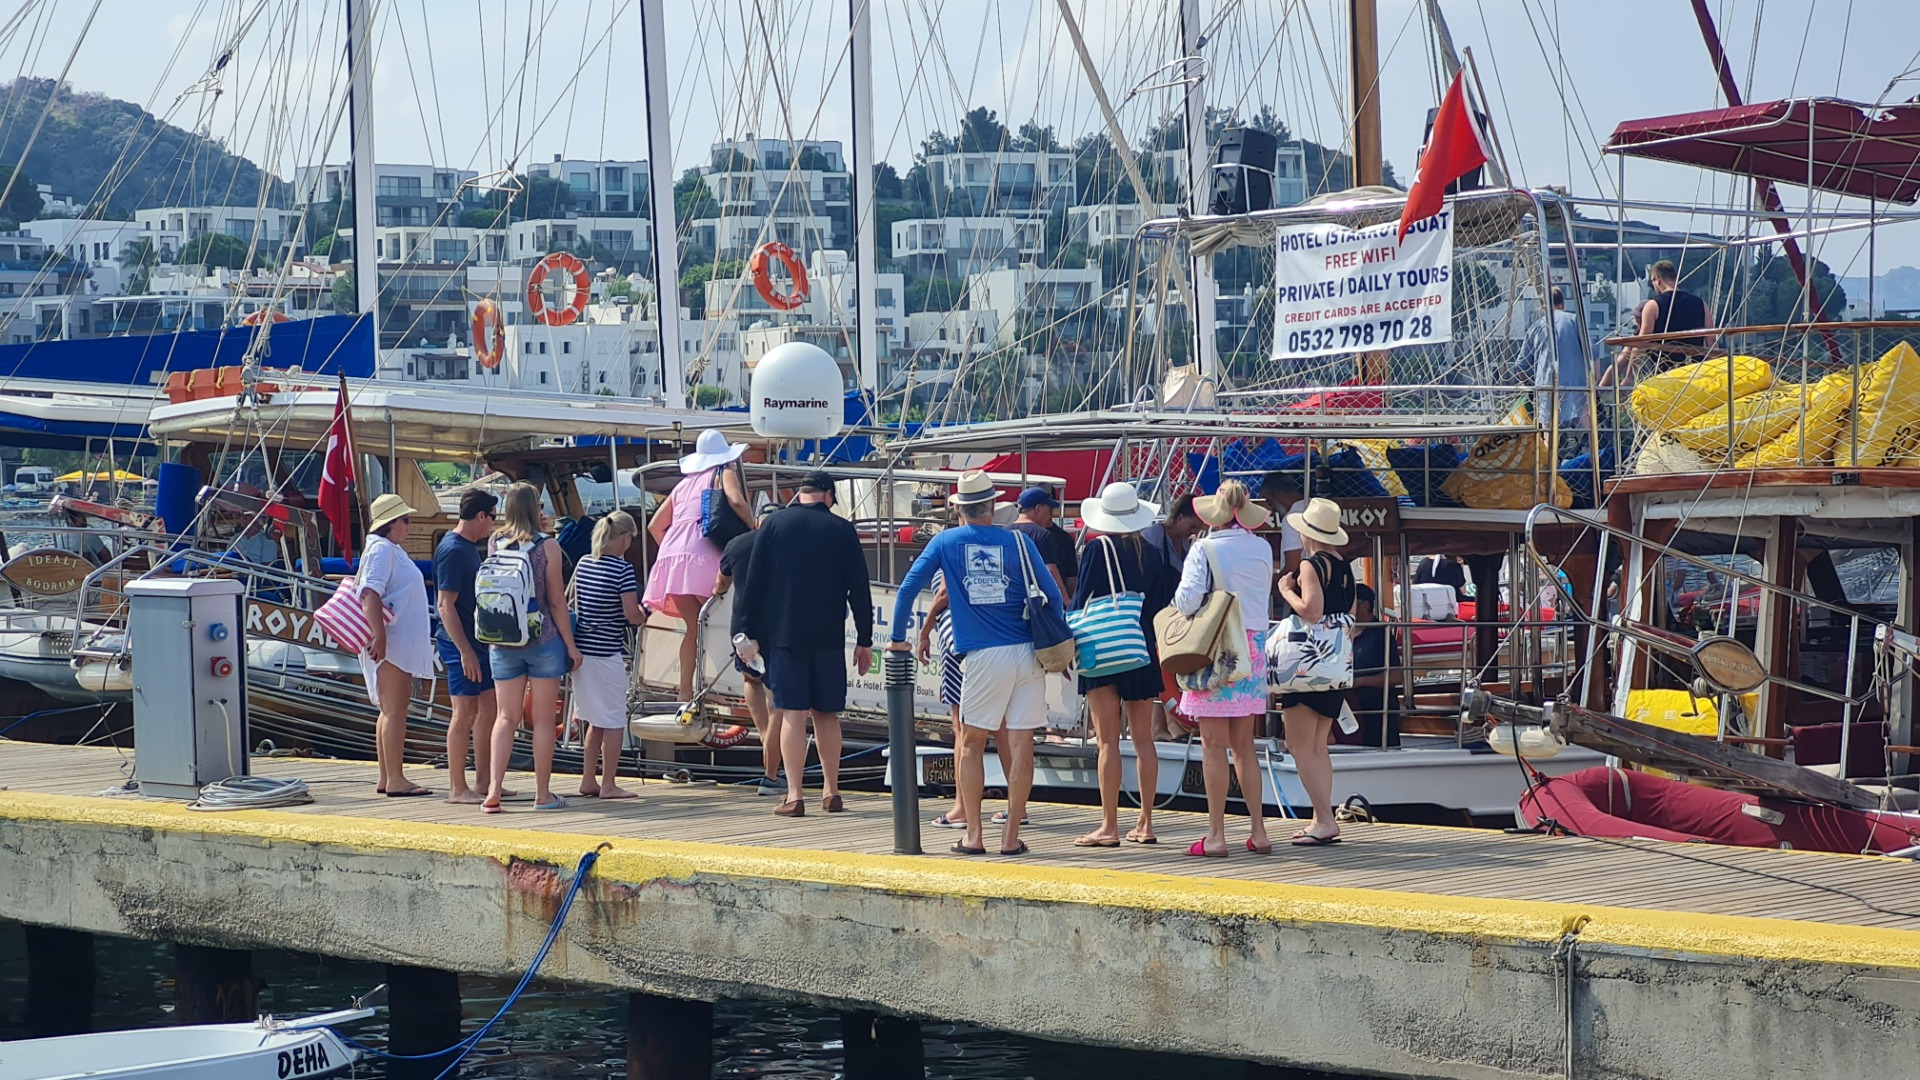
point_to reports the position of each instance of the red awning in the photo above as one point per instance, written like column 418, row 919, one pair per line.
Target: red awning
column 1836, row 146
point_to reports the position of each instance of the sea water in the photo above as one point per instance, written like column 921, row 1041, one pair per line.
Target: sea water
column 563, row 1030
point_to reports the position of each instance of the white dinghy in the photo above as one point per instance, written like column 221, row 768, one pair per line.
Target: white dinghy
column 267, row 1049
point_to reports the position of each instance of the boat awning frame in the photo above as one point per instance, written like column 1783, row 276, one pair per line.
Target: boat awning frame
column 1828, row 144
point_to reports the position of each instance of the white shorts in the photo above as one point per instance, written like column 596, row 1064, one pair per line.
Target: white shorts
column 600, row 692
column 1004, row 684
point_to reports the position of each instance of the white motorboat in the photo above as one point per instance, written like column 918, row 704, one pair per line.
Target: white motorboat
column 267, row 1049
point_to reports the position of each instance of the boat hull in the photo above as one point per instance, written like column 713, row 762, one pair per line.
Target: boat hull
column 200, row 1052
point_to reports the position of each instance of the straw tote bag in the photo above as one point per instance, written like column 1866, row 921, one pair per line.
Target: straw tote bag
column 1106, row 631
column 1189, row 643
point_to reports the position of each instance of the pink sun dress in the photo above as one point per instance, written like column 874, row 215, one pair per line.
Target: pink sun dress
column 688, row 562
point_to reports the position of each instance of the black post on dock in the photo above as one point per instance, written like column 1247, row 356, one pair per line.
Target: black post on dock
column 903, row 756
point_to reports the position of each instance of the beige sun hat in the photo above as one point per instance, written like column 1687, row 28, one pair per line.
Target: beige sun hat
column 973, row 488
column 1321, row 521
column 385, row 509
column 1213, row 510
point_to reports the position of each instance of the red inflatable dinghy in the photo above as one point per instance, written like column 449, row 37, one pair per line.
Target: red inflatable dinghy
column 1628, row 805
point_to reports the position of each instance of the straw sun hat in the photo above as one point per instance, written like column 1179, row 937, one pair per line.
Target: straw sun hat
column 387, row 508
column 1214, row 511
column 1321, row 521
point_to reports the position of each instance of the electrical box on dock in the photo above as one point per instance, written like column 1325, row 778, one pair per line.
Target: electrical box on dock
column 189, row 683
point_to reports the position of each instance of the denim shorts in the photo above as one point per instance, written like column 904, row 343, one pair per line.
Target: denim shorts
column 546, row 660
column 458, row 685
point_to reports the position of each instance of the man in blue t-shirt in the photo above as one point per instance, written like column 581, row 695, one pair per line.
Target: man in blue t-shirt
column 986, row 569
column 456, row 562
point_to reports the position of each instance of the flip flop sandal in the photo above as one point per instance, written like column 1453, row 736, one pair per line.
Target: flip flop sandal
column 1021, row 850
column 1143, row 839
column 1001, row 819
column 410, row 793
column 558, row 803
column 1310, row 840
column 1199, row 849
column 1268, row 850
column 1087, row 841
column 962, row 849
column 494, row 809
column 946, row 822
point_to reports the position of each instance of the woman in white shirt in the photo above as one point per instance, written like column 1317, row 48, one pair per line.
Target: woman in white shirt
column 401, row 650
column 1229, row 715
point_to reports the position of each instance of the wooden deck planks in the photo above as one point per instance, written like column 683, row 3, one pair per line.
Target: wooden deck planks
column 1438, row 860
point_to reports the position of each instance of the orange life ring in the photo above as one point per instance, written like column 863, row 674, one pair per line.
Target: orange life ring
column 762, row 273
column 489, row 334
column 719, row 738
column 257, row 318
column 537, row 304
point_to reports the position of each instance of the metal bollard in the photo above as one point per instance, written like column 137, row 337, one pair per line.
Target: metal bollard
column 904, row 759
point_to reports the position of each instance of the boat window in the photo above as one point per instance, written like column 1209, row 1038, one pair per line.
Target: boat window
column 1868, row 576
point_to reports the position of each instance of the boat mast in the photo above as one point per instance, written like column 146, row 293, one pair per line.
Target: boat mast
column 865, row 258
column 1363, row 38
column 660, row 209
column 1762, row 187
column 366, row 256
column 1206, row 348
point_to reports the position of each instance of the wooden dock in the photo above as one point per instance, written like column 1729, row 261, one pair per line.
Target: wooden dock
column 1458, row 937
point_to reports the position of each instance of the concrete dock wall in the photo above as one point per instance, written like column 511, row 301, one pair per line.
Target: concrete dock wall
column 1398, row 984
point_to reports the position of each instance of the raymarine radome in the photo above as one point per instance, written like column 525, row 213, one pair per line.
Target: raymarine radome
column 797, row 393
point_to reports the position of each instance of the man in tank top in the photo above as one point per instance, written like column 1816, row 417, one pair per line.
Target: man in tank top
column 1672, row 310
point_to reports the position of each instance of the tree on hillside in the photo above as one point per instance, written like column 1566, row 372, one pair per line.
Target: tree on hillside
column 541, row 197
column 23, row 201
column 982, row 132
column 217, row 250
column 812, row 160
column 1775, row 296
column 693, row 280
column 886, row 182
column 1033, row 136
column 93, row 143
column 935, row 294
column 692, row 199
column 346, row 296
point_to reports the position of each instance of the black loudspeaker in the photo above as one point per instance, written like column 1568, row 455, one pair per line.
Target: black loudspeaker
column 1243, row 171
column 1470, row 182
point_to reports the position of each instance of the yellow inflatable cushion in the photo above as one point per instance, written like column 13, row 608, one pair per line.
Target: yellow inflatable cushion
column 1676, row 398
column 1675, row 710
column 1751, row 422
column 1826, row 419
column 1887, row 412
column 1508, row 471
column 1373, row 452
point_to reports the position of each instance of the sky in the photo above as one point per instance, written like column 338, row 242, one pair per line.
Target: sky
column 492, row 84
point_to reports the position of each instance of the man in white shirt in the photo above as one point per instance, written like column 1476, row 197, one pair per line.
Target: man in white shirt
column 1282, row 493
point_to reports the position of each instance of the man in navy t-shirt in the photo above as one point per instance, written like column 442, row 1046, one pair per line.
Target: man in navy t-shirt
column 456, row 562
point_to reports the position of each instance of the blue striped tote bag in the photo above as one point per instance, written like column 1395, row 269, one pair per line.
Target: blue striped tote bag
column 1107, row 635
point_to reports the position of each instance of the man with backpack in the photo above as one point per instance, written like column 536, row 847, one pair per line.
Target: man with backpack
column 456, row 562
column 806, row 572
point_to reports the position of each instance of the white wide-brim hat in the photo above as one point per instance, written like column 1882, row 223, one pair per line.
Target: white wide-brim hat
column 1321, row 521
column 1118, row 510
column 710, row 449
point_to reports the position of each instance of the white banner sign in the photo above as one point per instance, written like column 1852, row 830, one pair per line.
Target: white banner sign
column 1341, row 290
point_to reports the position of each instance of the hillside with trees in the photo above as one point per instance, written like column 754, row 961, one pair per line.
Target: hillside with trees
column 99, row 149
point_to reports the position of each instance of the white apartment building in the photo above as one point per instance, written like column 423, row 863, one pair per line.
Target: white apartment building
column 1010, row 180
column 1027, row 296
column 611, row 352
column 172, row 227
column 833, row 294
column 958, row 246
column 95, row 245
column 788, row 182
column 757, row 341
column 450, row 245
column 616, row 238
column 713, row 348
column 950, row 334
column 1105, row 223
column 599, row 187
column 415, row 195
column 731, row 237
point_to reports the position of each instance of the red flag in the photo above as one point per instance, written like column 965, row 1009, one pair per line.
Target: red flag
column 1453, row 151
column 336, row 478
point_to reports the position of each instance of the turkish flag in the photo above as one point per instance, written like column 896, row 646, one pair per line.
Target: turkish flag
column 1453, row 151
column 336, row 478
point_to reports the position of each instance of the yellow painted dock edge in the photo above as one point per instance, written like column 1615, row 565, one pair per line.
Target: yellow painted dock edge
column 637, row 861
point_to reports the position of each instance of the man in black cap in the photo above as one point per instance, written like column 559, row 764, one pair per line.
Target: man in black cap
column 806, row 572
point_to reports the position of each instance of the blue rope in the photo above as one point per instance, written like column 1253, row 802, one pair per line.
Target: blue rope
column 49, row 712
column 472, row 1042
